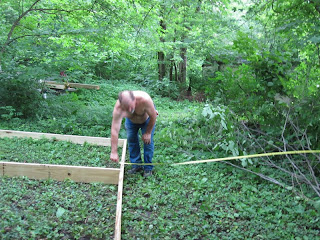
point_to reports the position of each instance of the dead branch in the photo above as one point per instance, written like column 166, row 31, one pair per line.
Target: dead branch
column 300, row 171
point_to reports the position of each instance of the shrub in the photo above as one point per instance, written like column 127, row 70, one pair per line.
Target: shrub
column 19, row 91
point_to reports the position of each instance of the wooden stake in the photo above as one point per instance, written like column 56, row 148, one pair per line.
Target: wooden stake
column 117, row 231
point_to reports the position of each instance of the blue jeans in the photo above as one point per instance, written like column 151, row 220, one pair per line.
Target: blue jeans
column 134, row 146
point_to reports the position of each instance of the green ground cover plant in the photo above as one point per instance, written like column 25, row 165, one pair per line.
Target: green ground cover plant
column 50, row 151
column 33, row 209
column 213, row 201
column 203, row 201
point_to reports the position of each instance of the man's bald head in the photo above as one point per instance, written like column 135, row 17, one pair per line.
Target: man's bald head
column 127, row 100
column 125, row 97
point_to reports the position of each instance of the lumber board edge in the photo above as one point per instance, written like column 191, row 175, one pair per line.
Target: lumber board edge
column 1, row 169
column 100, row 141
column 69, row 84
column 61, row 172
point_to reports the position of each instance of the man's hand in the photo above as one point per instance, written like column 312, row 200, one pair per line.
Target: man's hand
column 114, row 157
column 146, row 138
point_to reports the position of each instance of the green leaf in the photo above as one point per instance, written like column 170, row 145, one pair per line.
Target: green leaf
column 60, row 212
column 317, row 205
column 224, row 124
column 207, row 111
column 315, row 39
column 203, row 180
column 244, row 162
column 300, row 209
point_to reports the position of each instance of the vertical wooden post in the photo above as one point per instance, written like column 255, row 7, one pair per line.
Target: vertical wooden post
column 117, row 231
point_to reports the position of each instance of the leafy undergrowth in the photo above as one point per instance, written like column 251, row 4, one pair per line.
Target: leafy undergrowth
column 56, row 210
column 201, row 201
column 212, row 201
column 48, row 151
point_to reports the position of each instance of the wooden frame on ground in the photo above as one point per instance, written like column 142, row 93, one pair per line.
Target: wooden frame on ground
column 75, row 173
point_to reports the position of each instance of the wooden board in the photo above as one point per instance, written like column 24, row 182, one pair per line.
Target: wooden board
column 101, row 141
column 117, row 231
column 81, row 85
column 60, row 172
column 57, row 85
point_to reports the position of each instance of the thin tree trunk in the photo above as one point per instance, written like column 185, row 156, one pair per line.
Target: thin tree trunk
column 171, row 72
column 175, row 72
column 173, row 67
column 161, row 55
column 161, row 65
column 183, row 66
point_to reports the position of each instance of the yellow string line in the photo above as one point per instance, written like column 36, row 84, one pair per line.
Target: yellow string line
column 229, row 158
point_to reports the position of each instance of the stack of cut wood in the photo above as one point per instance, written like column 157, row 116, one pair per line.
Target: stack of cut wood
column 69, row 86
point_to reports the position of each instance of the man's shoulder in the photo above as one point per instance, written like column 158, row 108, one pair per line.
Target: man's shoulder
column 117, row 109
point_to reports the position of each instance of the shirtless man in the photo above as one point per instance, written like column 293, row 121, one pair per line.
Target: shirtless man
column 138, row 109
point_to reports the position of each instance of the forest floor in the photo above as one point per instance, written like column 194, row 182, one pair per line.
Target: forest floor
column 200, row 201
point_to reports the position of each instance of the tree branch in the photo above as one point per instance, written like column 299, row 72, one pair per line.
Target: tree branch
column 15, row 24
column 299, row 171
column 45, row 34
column 145, row 17
column 44, row 10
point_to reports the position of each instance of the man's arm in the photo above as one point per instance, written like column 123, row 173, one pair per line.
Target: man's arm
column 151, row 111
column 115, row 128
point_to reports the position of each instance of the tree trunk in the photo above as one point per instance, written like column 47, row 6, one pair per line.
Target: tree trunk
column 161, row 65
column 171, row 71
column 161, row 55
column 173, row 66
column 175, row 72
column 183, row 66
